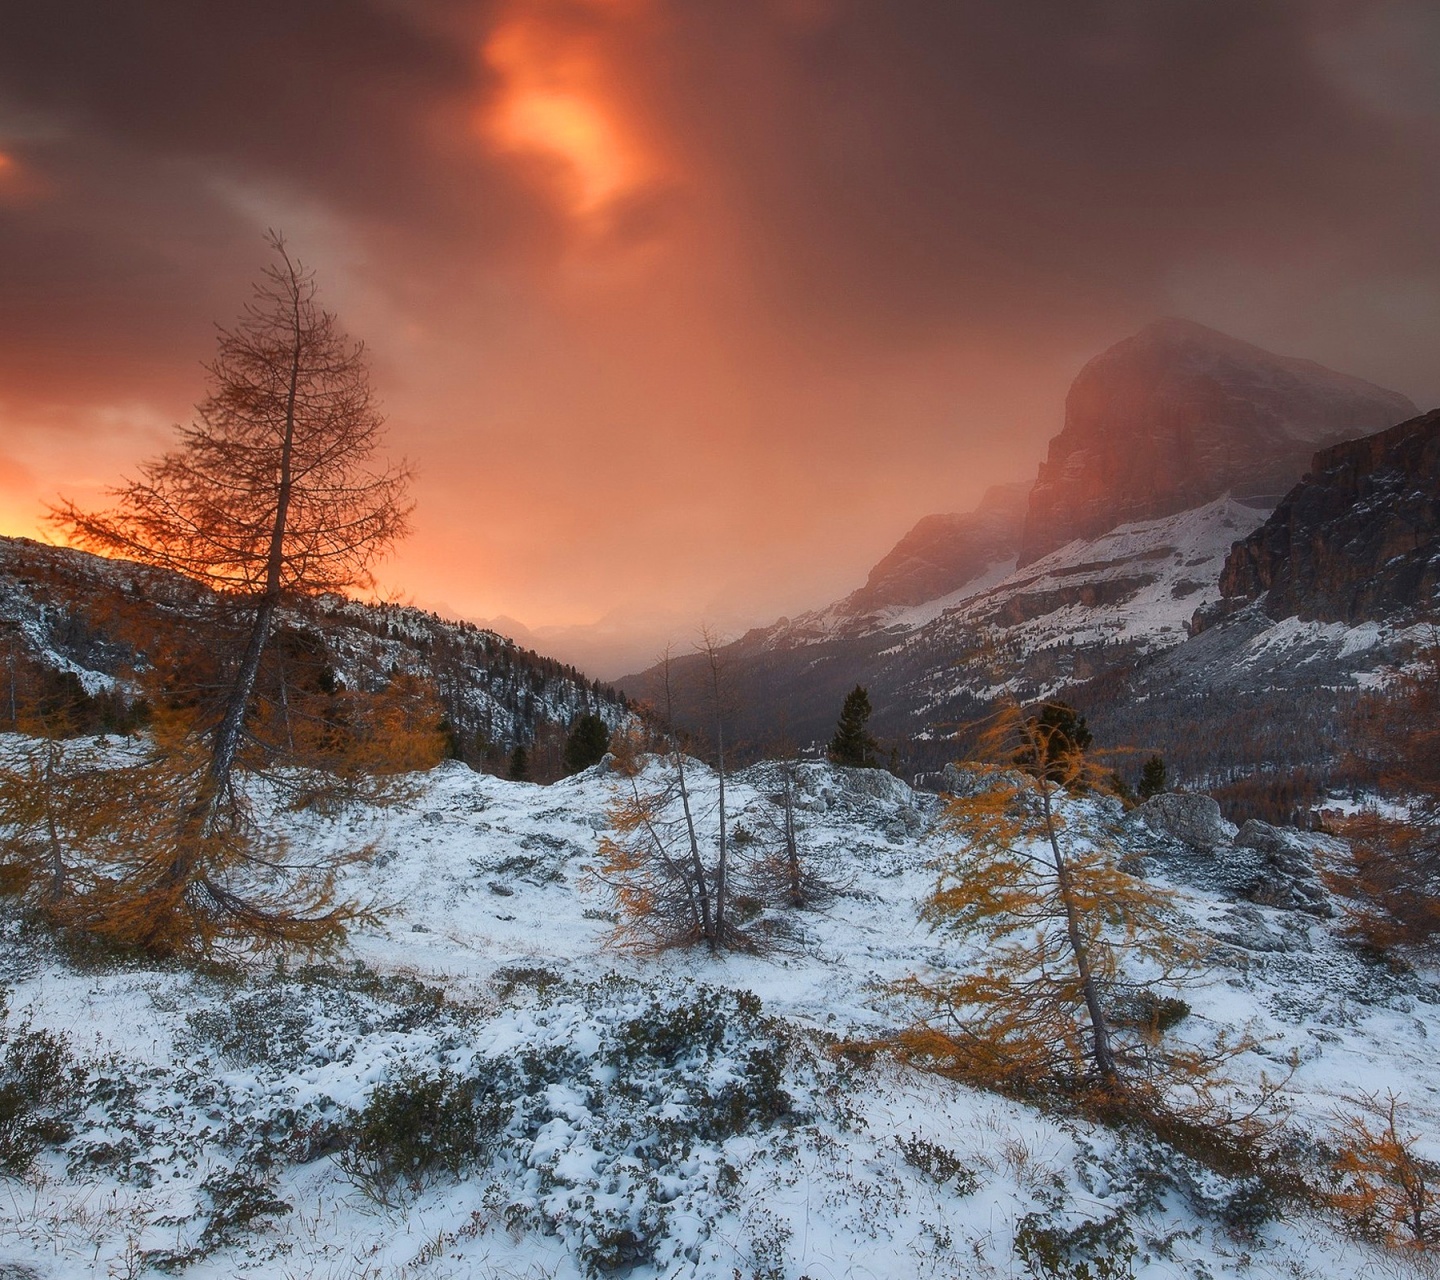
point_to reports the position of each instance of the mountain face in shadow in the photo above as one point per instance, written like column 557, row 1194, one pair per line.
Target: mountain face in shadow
column 1179, row 415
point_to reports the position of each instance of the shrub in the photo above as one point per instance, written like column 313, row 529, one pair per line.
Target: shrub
column 415, row 1126
column 509, row 979
column 1101, row 1249
column 38, row 1085
column 939, row 1165
column 1148, row 1012
column 240, row 1202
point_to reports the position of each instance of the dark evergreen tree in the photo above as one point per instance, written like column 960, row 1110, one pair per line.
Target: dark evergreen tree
column 1061, row 733
column 852, row 745
column 519, row 764
column 1152, row 778
column 587, row 744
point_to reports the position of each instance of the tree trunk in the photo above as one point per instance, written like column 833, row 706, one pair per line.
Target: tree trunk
column 1102, row 1052
column 52, row 831
column 697, row 863
column 792, row 851
column 720, row 864
column 227, row 736
column 707, row 926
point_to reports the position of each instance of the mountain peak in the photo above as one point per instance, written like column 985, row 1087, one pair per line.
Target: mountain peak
column 1179, row 414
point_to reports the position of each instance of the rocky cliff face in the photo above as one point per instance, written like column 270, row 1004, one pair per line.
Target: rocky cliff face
column 1180, row 414
column 941, row 554
column 1357, row 540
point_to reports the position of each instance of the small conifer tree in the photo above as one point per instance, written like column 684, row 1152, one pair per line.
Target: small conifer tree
column 1381, row 1181
column 519, row 764
column 852, row 744
column 1152, row 778
column 1075, row 952
column 588, row 741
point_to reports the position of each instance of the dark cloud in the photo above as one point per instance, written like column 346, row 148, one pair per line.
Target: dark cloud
column 849, row 255
column 889, row 165
column 981, row 160
column 331, row 95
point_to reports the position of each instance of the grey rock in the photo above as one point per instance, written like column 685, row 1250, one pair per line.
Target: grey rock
column 964, row 782
column 1247, row 926
column 1267, row 865
column 874, row 784
column 1191, row 819
column 912, row 818
column 896, row 830
column 500, row 890
column 1285, row 871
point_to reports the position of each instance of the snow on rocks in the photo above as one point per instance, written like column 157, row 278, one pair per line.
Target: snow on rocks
column 1257, row 862
column 679, row 1116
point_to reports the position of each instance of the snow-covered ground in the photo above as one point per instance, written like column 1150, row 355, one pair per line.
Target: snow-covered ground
column 645, row 1116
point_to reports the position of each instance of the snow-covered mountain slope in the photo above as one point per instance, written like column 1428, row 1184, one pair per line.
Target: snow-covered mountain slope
column 670, row 1117
column 1176, row 443
column 1138, row 584
column 95, row 618
column 1090, row 606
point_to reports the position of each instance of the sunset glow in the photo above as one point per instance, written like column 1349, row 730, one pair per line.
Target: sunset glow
column 687, row 312
column 551, row 107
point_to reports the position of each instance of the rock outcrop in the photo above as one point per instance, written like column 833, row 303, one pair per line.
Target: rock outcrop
column 943, row 553
column 1179, row 415
column 1256, row 863
column 1357, row 540
column 1285, row 872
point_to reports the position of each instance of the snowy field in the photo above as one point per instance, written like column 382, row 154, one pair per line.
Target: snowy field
column 679, row 1116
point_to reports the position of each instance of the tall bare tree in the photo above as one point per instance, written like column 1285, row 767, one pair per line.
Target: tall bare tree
column 273, row 492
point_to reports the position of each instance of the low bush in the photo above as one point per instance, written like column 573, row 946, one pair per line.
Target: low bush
column 940, row 1165
column 607, row 1125
column 39, row 1084
column 1099, row 1249
column 416, row 1126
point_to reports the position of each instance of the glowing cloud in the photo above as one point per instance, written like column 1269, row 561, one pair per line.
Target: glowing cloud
column 553, row 107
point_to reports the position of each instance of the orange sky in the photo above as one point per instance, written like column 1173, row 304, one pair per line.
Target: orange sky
column 685, row 312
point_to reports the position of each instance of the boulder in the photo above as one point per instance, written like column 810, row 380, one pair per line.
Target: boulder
column 1193, row 820
column 873, row 784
